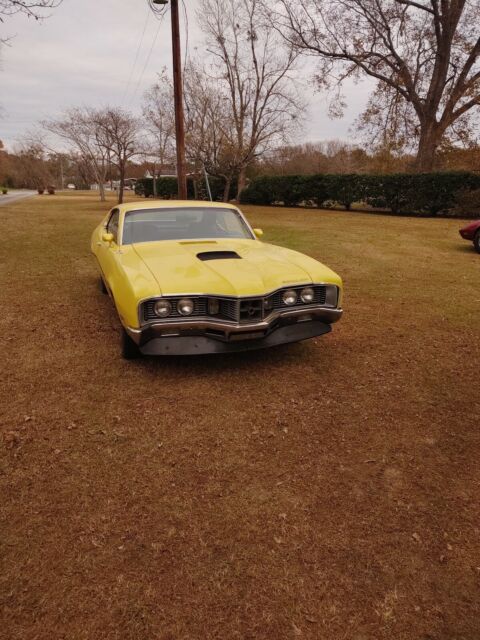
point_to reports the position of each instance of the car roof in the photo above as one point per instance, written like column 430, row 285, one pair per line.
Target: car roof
column 161, row 204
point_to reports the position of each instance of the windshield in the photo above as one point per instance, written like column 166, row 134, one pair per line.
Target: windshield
column 183, row 223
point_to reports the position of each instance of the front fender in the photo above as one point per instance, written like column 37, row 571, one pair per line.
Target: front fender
column 130, row 281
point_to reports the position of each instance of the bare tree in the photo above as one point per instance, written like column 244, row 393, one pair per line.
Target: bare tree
column 118, row 132
column 32, row 166
column 160, row 125
column 79, row 128
column 254, row 77
column 208, row 119
column 424, row 55
column 32, row 8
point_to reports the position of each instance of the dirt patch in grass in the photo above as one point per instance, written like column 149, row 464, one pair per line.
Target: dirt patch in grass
column 327, row 489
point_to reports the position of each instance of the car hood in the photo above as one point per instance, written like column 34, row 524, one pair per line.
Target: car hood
column 259, row 268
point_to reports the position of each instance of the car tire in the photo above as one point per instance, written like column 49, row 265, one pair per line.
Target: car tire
column 102, row 286
column 476, row 242
column 130, row 351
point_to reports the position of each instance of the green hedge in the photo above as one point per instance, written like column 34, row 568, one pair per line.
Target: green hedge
column 420, row 194
column 167, row 188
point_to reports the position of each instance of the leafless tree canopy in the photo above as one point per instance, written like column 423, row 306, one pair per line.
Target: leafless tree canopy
column 158, row 146
column 424, row 55
column 100, row 137
column 32, row 8
column 32, row 166
column 78, row 129
column 254, row 77
column 118, row 134
column 208, row 125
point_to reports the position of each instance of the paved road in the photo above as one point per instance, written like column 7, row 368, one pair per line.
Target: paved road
column 13, row 196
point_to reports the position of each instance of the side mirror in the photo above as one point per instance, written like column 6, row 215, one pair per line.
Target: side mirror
column 107, row 237
column 258, row 233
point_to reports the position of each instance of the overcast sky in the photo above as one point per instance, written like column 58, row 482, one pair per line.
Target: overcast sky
column 85, row 53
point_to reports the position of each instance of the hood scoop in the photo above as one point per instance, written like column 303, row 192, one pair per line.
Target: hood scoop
column 218, row 255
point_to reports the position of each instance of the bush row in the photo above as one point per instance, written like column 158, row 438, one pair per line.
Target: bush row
column 421, row 194
column 167, row 188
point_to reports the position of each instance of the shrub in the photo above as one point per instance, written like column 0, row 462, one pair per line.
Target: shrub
column 4, row 190
column 345, row 189
column 51, row 190
column 259, row 191
column 167, row 188
column 468, row 204
column 297, row 190
column 420, row 194
column 287, row 190
column 316, row 189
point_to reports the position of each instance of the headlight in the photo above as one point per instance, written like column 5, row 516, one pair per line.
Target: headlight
column 332, row 296
column 289, row 297
column 185, row 307
column 307, row 295
column 162, row 308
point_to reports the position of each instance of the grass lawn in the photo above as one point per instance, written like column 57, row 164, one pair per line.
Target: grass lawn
column 328, row 489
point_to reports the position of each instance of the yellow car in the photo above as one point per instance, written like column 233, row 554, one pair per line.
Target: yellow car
column 194, row 277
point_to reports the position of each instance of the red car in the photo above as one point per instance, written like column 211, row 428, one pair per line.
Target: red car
column 472, row 232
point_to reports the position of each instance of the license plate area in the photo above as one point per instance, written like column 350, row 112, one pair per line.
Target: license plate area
column 247, row 335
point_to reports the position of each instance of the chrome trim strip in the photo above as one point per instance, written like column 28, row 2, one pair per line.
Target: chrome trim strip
column 328, row 315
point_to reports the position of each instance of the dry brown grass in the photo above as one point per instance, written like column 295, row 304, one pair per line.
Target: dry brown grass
column 325, row 490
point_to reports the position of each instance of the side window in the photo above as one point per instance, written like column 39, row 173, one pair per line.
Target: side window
column 112, row 224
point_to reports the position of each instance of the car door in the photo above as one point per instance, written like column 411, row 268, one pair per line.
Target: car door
column 108, row 251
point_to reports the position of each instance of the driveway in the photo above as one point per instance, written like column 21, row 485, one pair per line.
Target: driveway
column 13, row 196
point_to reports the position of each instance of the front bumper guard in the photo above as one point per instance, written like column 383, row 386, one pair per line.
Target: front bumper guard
column 204, row 335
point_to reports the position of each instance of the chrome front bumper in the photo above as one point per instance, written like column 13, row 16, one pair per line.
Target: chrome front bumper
column 205, row 335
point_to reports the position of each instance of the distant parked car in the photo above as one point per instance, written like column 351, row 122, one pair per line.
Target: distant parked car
column 71, row 186
column 472, row 232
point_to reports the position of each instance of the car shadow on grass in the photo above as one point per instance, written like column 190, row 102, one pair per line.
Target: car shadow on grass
column 465, row 248
column 260, row 361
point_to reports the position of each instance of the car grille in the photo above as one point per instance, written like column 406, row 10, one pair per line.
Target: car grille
column 228, row 308
column 240, row 310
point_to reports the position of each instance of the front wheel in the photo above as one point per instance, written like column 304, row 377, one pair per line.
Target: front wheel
column 130, row 351
column 476, row 242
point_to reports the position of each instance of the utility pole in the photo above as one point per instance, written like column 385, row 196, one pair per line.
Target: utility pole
column 178, row 98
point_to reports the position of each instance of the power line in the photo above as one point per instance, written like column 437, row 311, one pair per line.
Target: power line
column 159, row 13
column 185, row 58
column 137, row 54
column 146, row 62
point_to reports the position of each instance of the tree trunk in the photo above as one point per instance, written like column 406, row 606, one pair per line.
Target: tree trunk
column 154, row 182
column 430, row 138
column 242, row 182
column 226, row 190
column 99, row 176
column 122, row 182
